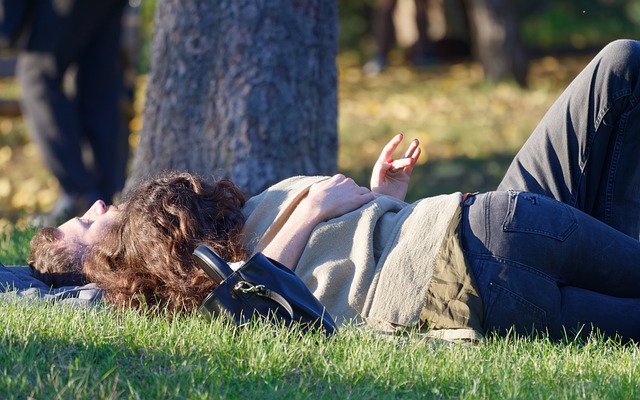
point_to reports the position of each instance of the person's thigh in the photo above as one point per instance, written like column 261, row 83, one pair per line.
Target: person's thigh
column 520, row 300
column 516, row 298
column 584, row 151
column 584, row 312
column 542, row 234
column 528, row 253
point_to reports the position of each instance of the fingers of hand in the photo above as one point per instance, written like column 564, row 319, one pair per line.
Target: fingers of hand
column 365, row 196
column 344, row 184
column 401, row 165
column 414, row 149
column 351, row 197
column 337, row 178
column 387, row 151
column 411, row 156
column 416, row 153
column 363, row 190
column 413, row 152
column 350, row 187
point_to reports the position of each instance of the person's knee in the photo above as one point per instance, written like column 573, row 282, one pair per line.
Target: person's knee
column 622, row 45
column 622, row 53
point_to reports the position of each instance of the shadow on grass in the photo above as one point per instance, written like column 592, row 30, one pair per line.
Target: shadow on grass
column 45, row 366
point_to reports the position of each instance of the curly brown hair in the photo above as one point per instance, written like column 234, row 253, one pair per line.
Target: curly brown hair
column 146, row 259
column 146, row 255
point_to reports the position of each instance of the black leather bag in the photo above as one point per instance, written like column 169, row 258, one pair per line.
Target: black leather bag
column 261, row 288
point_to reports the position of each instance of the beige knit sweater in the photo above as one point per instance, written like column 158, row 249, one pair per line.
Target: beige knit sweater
column 373, row 264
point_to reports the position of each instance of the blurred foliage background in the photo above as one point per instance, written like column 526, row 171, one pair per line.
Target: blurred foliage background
column 546, row 25
column 469, row 128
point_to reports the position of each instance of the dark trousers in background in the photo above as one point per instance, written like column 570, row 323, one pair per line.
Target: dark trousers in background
column 84, row 34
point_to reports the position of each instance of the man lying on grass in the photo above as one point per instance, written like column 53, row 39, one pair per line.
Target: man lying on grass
column 555, row 249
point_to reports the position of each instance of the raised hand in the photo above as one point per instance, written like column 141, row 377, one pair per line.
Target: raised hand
column 391, row 177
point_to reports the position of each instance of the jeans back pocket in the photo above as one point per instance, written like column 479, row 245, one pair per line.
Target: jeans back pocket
column 539, row 214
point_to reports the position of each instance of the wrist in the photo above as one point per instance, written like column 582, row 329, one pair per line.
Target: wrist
column 307, row 211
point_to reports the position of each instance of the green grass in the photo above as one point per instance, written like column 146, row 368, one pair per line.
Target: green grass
column 50, row 351
column 469, row 130
column 14, row 243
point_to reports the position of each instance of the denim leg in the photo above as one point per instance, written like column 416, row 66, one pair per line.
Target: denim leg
column 585, row 150
column 583, row 311
column 533, row 258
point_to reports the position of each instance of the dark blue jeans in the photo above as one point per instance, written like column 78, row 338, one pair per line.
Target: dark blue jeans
column 564, row 256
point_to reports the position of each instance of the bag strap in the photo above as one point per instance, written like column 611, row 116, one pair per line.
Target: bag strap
column 217, row 269
column 261, row 290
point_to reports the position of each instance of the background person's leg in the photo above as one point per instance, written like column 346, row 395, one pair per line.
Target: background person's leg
column 585, row 150
column 52, row 121
column 383, row 35
column 60, row 36
column 423, row 52
column 99, row 85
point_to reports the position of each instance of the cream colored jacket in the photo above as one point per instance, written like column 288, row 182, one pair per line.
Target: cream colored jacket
column 373, row 264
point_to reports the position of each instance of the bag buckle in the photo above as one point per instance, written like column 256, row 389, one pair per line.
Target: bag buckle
column 246, row 287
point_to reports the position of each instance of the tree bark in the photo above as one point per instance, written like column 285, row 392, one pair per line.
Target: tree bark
column 242, row 89
column 497, row 42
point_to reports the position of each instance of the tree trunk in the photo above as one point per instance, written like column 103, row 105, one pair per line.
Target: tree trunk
column 497, row 42
column 242, row 89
